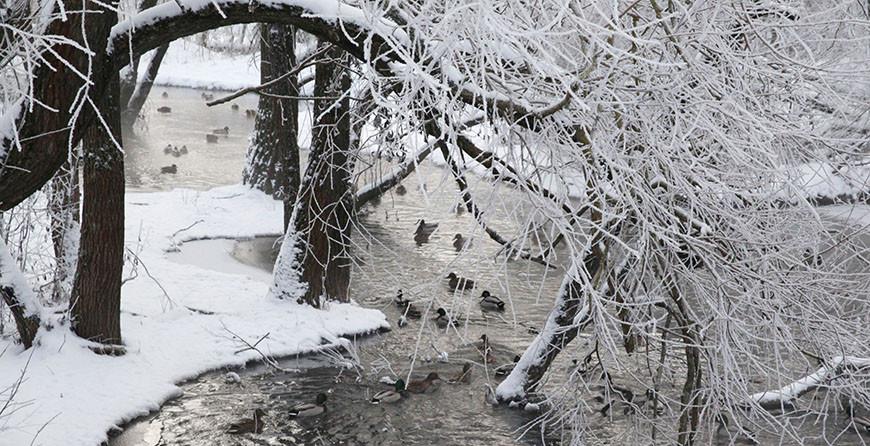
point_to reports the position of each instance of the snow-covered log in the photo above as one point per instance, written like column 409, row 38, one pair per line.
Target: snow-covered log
column 570, row 314
column 785, row 396
column 19, row 297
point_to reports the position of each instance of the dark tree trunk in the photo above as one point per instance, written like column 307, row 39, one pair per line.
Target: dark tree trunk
column 26, row 320
column 273, row 157
column 323, row 219
column 96, row 296
column 137, row 97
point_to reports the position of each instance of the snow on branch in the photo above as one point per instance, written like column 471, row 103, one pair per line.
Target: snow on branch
column 785, row 396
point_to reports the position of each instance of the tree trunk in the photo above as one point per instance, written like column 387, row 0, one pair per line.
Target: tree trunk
column 96, row 296
column 273, row 156
column 322, row 219
column 137, row 97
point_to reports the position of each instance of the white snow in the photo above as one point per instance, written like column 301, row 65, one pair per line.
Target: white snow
column 78, row 395
column 187, row 64
column 792, row 391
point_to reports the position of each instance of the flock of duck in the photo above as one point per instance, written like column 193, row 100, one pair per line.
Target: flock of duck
column 210, row 138
column 399, row 391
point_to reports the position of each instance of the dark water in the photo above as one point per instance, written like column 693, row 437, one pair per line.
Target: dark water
column 386, row 258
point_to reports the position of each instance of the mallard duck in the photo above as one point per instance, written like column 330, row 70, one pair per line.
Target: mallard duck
column 400, row 190
column 490, row 302
column 400, row 299
column 442, row 320
column 183, row 150
column 169, row 169
column 164, row 95
column 234, row 107
column 505, row 369
column 460, row 242
column 309, row 409
column 224, row 131
column 164, row 109
column 249, row 425
column 207, row 96
column 167, row 149
column 464, row 376
column 427, row 385
column 411, row 312
column 175, row 152
column 211, row 139
column 423, row 227
column 392, row 395
column 486, row 349
column 459, row 283
column 250, row 114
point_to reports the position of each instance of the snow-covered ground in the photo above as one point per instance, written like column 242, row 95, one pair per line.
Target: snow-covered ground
column 71, row 396
column 187, row 64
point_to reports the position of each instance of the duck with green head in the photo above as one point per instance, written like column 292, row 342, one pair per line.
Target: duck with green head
column 310, row 409
column 392, row 395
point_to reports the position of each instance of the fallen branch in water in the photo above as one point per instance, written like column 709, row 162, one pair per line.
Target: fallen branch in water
column 785, row 396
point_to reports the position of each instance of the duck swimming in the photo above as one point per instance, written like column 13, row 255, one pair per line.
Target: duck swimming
column 464, row 376
column 443, row 320
column 400, row 299
column 224, row 131
column 460, row 242
column 505, row 369
column 249, row 425
column 169, row 169
column 310, row 409
column 428, row 385
column 167, row 149
column 212, row 139
column 411, row 312
column 490, row 302
column 390, row 396
column 164, row 109
column 400, row 190
column 459, row 283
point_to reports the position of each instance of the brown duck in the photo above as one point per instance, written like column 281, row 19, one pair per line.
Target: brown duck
column 249, row 425
column 427, row 385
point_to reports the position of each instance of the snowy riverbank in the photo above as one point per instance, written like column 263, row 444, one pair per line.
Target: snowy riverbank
column 71, row 396
column 189, row 65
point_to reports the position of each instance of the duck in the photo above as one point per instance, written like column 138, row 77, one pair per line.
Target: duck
column 422, row 226
column 250, row 114
column 427, row 385
column 464, row 376
column 164, row 109
column 443, row 320
column 402, row 322
column 459, row 283
column 490, row 302
column 164, row 95
column 392, row 395
column 224, row 131
column 505, row 369
column 460, row 242
column 232, row 378
column 486, row 349
column 183, row 150
column 212, row 139
column 309, row 409
column 175, row 152
column 411, row 312
column 207, row 96
column 400, row 299
column 249, row 425
column 167, row 149
column 234, row 107
column 169, row 169
column 400, row 190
